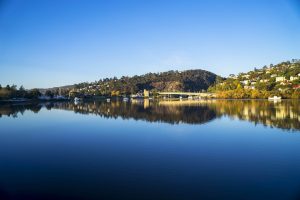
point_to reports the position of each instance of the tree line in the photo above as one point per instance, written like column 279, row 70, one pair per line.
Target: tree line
column 12, row 92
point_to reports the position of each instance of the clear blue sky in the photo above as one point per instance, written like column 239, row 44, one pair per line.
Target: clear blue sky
column 45, row 43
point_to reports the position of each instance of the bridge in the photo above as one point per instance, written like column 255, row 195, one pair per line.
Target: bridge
column 195, row 94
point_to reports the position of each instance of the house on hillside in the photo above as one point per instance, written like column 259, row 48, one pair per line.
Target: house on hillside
column 245, row 82
column 280, row 79
column 296, row 87
column 293, row 78
column 264, row 80
column 285, row 83
column 249, row 87
column 246, row 76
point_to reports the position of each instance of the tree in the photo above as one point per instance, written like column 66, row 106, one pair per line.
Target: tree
column 34, row 94
column 219, row 79
column 265, row 67
column 21, row 93
column 14, row 87
column 255, row 94
column 56, row 92
column 21, row 88
column 49, row 93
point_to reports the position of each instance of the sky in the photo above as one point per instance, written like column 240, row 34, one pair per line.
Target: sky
column 47, row 43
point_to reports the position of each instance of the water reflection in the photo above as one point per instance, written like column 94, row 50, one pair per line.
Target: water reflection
column 284, row 115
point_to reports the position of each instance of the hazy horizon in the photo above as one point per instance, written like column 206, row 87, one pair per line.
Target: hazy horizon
column 55, row 43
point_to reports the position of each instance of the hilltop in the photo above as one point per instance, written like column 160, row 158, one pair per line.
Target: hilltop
column 189, row 80
column 282, row 79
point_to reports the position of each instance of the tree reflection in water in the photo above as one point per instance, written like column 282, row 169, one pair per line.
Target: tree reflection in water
column 284, row 114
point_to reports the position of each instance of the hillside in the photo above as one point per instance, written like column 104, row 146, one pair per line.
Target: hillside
column 190, row 80
column 282, row 80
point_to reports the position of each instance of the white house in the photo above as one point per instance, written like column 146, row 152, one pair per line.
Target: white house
column 280, row 78
column 245, row 82
column 293, row 78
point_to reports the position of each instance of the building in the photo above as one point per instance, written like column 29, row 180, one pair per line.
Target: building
column 146, row 93
column 296, row 87
column 246, row 76
column 249, row 87
column 280, row 79
column 263, row 80
column 245, row 82
column 293, row 78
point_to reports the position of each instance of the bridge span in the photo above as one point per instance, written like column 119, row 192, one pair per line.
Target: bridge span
column 198, row 94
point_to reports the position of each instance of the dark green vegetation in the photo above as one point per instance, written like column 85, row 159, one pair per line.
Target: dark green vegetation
column 282, row 80
column 190, row 80
column 12, row 92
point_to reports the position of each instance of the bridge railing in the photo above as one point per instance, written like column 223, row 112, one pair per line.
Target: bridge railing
column 187, row 93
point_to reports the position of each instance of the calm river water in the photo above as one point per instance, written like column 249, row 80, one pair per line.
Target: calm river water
column 218, row 149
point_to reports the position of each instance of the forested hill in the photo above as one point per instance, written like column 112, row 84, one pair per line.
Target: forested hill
column 282, row 79
column 189, row 80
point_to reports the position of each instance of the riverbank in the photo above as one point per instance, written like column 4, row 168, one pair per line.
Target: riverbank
column 22, row 101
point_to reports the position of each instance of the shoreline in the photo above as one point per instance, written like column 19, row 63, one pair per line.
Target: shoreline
column 31, row 101
column 3, row 102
